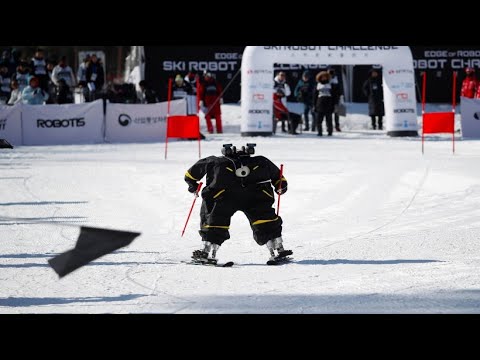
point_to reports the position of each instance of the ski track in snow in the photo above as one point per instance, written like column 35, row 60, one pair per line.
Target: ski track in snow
column 375, row 227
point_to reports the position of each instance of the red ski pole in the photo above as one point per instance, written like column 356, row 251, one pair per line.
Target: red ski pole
column 279, row 187
column 191, row 209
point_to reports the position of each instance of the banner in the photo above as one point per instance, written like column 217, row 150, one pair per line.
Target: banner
column 470, row 117
column 140, row 122
column 165, row 62
column 398, row 81
column 63, row 124
column 11, row 124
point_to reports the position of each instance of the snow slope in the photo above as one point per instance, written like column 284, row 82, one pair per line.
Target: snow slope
column 375, row 227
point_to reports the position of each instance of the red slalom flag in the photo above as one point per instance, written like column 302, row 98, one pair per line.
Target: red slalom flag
column 442, row 122
column 183, row 126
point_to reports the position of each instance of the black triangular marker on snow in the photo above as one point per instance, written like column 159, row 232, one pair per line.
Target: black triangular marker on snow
column 4, row 144
column 92, row 243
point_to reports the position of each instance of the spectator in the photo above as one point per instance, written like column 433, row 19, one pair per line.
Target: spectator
column 51, row 88
column 470, row 84
column 280, row 82
column 16, row 56
column 180, row 89
column 192, row 79
column 15, row 94
column 324, row 102
column 373, row 90
column 304, row 92
column 148, row 95
column 8, row 61
column 39, row 69
column 82, row 76
column 64, row 93
column 337, row 96
column 65, row 72
column 22, row 76
column 210, row 101
column 34, row 94
column 4, row 84
column 281, row 113
column 95, row 77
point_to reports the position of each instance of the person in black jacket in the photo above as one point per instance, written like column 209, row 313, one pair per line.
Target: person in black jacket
column 238, row 181
column 95, row 77
column 373, row 90
column 149, row 96
column 337, row 95
column 304, row 92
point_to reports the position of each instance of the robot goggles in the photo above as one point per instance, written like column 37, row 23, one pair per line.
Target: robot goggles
column 230, row 150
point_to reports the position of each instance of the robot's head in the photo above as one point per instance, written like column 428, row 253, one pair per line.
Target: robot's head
column 229, row 150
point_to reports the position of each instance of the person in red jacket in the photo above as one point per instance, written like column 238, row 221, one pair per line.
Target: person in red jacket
column 210, row 101
column 281, row 113
column 470, row 84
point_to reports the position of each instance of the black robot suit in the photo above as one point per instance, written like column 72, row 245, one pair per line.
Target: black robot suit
column 237, row 183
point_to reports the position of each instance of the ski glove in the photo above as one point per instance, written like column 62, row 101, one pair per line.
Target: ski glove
column 281, row 191
column 192, row 187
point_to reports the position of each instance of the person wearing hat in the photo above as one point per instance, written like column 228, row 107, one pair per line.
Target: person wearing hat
column 373, row 90
column 469, row 84
column 210, row 100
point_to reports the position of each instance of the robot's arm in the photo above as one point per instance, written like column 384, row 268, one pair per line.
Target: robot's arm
column 196, row 173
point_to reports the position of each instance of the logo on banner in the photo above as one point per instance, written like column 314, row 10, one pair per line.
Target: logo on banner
column 124, row 119
column 61, row 123
column 404, row 111
column 402, row 85
column 476, row 116
column 266, row 112
column 258, row 98
column 3, row 123
column 400, row 71
column 259, row 71
column 403, row 98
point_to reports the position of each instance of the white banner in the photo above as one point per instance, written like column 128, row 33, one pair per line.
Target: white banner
column 63, row 124
column 398, row 81
column 140, row 122
column 11, row 124
column 470, row 117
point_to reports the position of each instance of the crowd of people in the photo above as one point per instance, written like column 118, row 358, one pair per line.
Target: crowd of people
column 45, row 81
column 321, row 96
column 41, row 80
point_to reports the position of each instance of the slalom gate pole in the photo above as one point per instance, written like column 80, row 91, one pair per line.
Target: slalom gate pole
column 168, row 114
column 454, row 105
column 279, row 187
column 191, row 209
column 424, row 91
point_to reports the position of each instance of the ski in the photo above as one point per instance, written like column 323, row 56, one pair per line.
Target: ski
column 280, row 261
column 209, row 263
column 282, row 258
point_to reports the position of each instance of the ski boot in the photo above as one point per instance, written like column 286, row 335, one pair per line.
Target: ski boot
column 203, row 256
column 282, row 254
